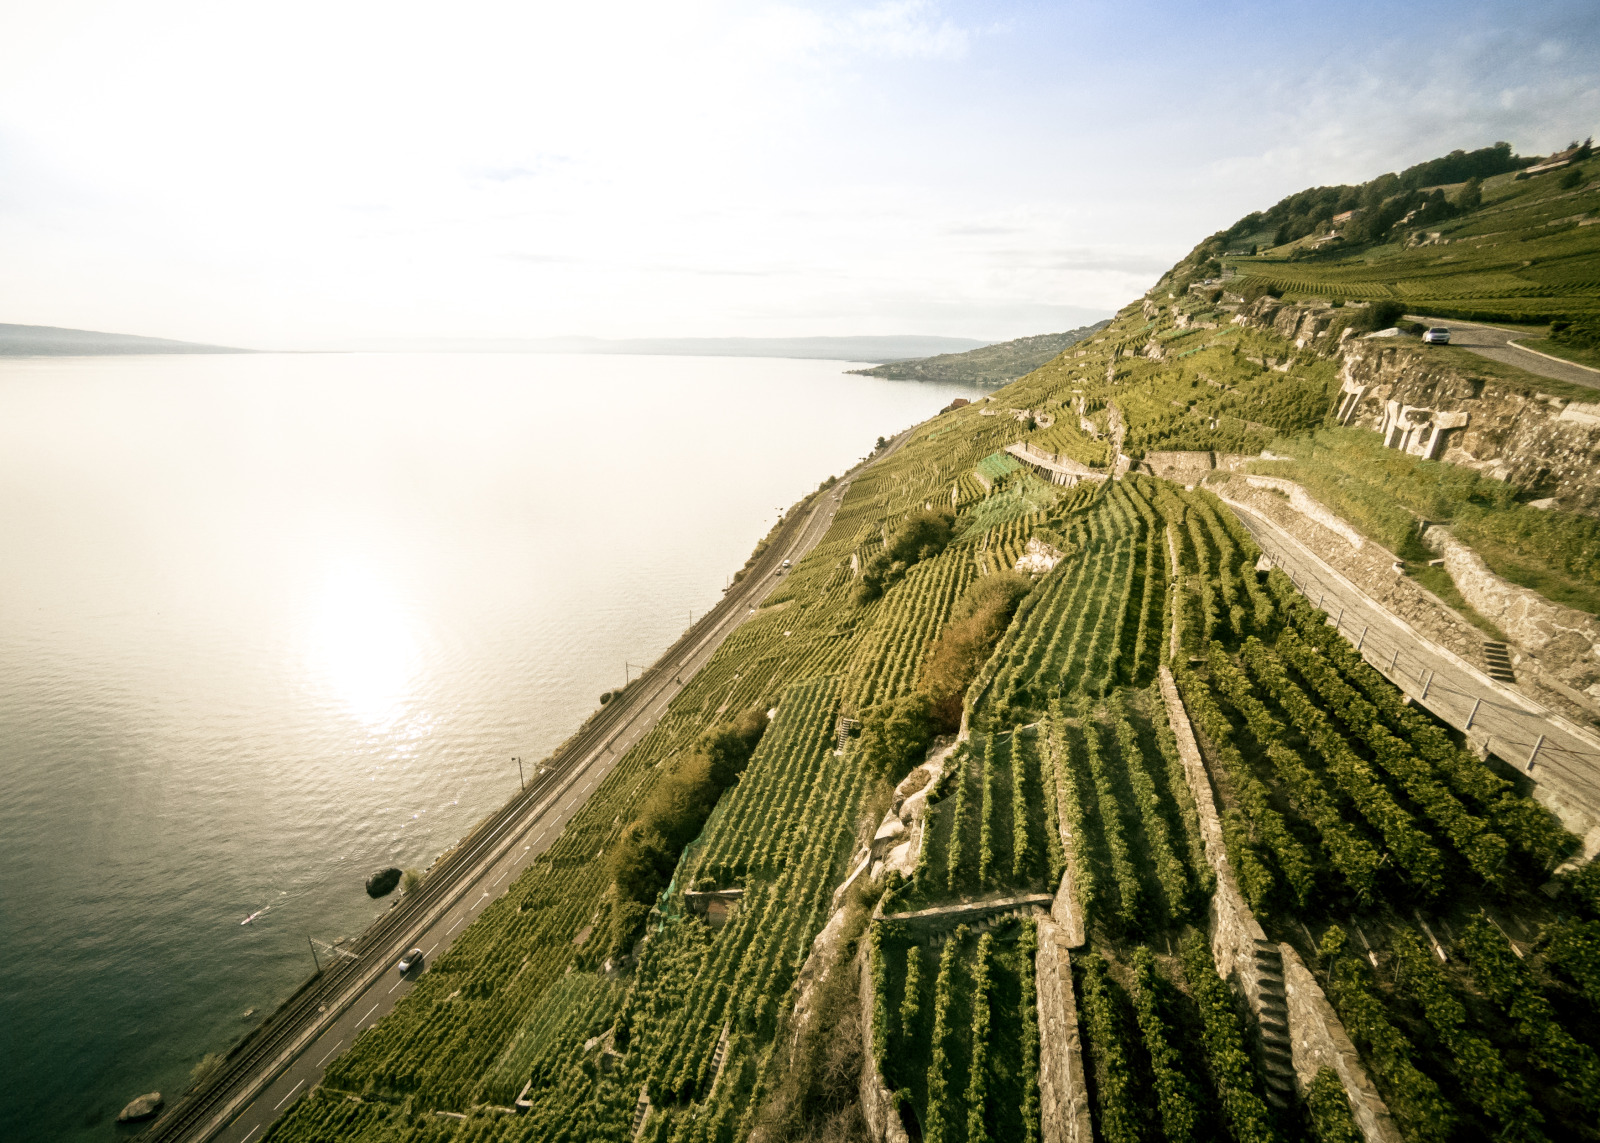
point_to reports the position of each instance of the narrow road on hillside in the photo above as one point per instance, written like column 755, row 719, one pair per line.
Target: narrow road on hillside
column 1496, row 344
column 1497, row 719
column 287, row 1056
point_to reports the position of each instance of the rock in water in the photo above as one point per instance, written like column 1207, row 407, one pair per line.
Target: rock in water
column 382, row 883
column 142, row 1108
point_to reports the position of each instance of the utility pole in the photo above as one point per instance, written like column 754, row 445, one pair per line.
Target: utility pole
column 521, row 781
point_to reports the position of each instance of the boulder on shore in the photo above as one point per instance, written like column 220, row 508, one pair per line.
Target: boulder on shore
column 141, row 1108
column 382, row 883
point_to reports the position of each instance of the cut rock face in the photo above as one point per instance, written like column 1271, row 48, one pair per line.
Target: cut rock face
column 141, row 1108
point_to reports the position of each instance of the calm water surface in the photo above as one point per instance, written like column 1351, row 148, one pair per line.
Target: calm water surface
column 268, row 623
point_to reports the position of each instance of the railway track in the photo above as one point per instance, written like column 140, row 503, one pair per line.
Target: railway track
column 253, row 1063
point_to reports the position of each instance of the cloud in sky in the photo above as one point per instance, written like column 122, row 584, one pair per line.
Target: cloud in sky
column 303, row 173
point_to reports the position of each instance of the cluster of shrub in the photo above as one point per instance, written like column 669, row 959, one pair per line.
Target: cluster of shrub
column 1381, row 202
column 922, row 537
column 896, row 733
column 672, row 815
column 1576, row 333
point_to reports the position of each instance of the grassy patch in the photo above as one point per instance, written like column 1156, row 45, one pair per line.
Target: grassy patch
column 1438, row 581
column 1589, row 357
column 1547, row 581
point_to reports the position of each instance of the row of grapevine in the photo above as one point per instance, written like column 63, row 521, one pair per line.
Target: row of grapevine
column 909, row 617
column 960, row 1031
column 1134, row 840
column 1519, row 820
column 991, row 833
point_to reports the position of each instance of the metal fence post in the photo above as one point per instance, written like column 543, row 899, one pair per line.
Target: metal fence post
column 1534, row 753
column 1473, row 713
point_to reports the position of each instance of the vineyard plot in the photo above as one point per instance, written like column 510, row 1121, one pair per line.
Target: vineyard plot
column 958, row 1019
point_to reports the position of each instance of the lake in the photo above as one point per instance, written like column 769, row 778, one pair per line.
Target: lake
column 271, row 622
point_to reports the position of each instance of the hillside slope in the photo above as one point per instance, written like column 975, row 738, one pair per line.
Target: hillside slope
column 1173, row 808
column 51, row 341
column 990, row 365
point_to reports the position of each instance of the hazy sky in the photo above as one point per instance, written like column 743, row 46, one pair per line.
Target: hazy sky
column 307, row 174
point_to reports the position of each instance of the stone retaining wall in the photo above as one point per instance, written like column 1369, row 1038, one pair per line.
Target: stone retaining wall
column 1308, row 507
column 1063, row 1095
column 1320, row 1042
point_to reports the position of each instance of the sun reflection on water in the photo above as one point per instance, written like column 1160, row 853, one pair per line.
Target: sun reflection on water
column 362, row 644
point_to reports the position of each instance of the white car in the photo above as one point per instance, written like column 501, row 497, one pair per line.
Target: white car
column 1438, row 335
column 410, row 961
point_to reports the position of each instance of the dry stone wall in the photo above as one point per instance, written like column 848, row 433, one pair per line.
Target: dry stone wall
column 1564, row 640
column 1063, row 1095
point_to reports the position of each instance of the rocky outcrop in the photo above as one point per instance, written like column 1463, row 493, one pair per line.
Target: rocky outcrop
column 1038, row 557
column 383, row 882
column 1566, row 642
column 141, row 1108
column 1546, row 445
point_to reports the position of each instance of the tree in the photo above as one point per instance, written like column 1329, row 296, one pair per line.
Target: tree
column 895, row 734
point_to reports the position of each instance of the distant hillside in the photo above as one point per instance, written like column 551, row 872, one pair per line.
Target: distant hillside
column 1481, row 235
column 52, row 341
column 989, row 365
column 887, row 347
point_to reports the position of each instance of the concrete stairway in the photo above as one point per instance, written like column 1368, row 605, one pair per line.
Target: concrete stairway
column 1277, row 1059
column 1498, row 662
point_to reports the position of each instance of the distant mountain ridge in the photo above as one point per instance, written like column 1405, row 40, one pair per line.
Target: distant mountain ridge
column 883, row 347
column 53, row 341
column 997, row 364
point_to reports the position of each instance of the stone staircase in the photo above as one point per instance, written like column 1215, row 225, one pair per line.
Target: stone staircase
column 1498, row 661
column 641, row 1111
column 719, row 1057
column 1277, row 1059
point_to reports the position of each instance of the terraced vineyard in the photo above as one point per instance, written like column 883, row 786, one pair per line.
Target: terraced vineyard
column 847, row 949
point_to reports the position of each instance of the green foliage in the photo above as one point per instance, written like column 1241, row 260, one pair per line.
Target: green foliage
column 1415, row 1100
column 921, row 537
column 976, row 623
column 1506, row 980
column 1114, row 1084
column 1480, row 1069
column 1176, row 1098
column 1573, row 949
column 1578, row 333
column 641, row 864
column 1232, row 1073
column 896, row 734
column 1332, row 1121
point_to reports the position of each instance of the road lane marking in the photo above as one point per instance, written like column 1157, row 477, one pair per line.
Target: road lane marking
column 252, row 1131
column 431, row 948
column 331, row 1050
column 452, row 928
column 502, row 876
column 370, row 1011
column 397, row 984
column 285, row 1099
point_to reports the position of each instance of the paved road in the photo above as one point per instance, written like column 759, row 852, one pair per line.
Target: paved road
column 1496, row 344
column 1497, row 719
column 287, row 1056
